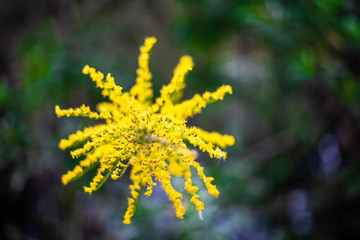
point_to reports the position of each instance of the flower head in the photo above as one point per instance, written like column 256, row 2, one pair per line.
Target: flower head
column 151, row 139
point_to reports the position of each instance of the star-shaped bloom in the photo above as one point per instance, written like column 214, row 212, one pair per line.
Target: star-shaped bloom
column 150, row 138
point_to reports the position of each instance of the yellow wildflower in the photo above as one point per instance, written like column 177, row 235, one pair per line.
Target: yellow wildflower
column 150, row 138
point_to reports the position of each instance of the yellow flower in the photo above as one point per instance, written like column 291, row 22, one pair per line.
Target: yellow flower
column 150, row 138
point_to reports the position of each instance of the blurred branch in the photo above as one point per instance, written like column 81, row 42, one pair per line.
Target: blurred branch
column 89, row 8
column 333, row 115
column 269, row 147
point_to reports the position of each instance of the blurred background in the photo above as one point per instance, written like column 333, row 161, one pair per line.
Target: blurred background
column 295, row 112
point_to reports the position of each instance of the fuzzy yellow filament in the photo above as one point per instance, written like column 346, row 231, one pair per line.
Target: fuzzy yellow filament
column 150, row 138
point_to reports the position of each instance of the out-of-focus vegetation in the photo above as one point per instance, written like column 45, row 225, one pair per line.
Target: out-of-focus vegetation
column 295, row 112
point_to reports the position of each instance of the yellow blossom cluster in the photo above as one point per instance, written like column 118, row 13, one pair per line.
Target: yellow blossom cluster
column 151, row 139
